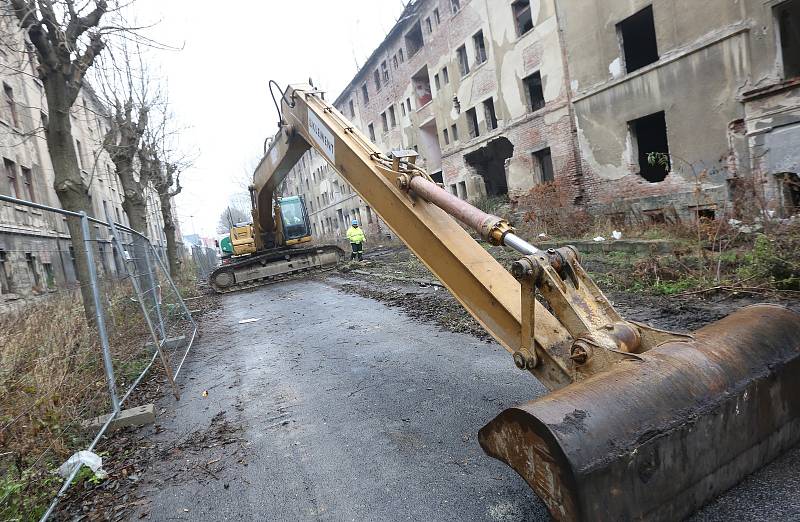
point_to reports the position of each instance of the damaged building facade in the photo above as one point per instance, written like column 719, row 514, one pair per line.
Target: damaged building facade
column 685, row 109
column 635, row 107
column 36, row 254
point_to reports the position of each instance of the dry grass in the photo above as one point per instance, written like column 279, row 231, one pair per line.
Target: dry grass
column 52, row 379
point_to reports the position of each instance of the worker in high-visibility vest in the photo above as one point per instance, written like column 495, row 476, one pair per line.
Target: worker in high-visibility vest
column 355, row 235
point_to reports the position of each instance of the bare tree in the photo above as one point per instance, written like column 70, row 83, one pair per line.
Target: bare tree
column 67, row 40
column 168, row 185
column 232, row 214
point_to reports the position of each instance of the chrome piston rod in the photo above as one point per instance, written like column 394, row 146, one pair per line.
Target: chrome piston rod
column 485, row 224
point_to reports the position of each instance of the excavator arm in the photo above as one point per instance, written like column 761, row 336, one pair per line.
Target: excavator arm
column 641, row 423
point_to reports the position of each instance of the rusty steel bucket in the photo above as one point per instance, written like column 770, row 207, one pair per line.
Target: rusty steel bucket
column 656, row 439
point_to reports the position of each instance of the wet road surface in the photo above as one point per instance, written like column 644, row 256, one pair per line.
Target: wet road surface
column 332, row 406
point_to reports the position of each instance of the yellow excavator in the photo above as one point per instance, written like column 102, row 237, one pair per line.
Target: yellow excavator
column 641, row 423
column 274, row 246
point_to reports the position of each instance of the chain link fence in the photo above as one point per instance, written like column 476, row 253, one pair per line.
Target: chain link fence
column 205, row 261
column 72, row 352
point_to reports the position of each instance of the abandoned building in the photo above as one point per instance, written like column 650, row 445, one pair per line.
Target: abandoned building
column 36, row 254
column 685, row 111
column 636, row 107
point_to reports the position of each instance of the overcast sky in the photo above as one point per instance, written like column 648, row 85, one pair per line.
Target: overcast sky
column 218, row 82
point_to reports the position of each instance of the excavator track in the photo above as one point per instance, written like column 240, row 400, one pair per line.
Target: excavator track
column 274, row 266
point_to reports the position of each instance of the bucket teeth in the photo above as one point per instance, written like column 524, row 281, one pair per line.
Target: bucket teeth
column 656, row 439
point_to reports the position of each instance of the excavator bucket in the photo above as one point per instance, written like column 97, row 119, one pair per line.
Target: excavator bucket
column 656, row 438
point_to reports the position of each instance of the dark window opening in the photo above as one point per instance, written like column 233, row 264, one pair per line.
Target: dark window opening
column 31, row 262
column 789, row 193
column 543, row 166
column 414, row 40
column 11, row 104
column 462, row 190
column 445, row 75
column 454, row 132
column 371, row 129
column 436, row 16
column 422, row 86
column 480, row 47
column 376, row 77
column 11, row 175
column 446, row 137
column 455, row 5
column 352, row 108
column 394, row 61
column 705, row 214
column 788, row 17
column 472, row 123
column 650, row 141
column 534, row 91
column 522, row 16
column 400, row 55
column 5, row 282
column 437, row 177
column 489, row 162
column 436, row 82
column 408, row 105
column 365, row 93
column 384, row 122
column 429, row 25
column 463, row 61
column 489, row 114
column 637, row 36
column 392, row 117
column 385, row 72
column 402, row 108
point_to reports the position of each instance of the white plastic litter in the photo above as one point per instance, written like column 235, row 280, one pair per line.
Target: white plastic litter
column 83, row 458
column 251, row 320
column 598, row 239
column 542, row 234
column 616, row 234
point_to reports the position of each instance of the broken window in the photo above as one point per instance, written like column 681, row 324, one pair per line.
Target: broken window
column 30, row 260
column 787, row 15
column 789, row 193
column 11, row 104
column 489, row 114
column 436, row 82
column 454, row 132
column 429, row 25
column 522, row 16
column 422, row 86
column 376, row 77
column 385, row 71
column 392, row 117
column 352, row 109
column 543, row 166
column 5, row 286
column 11, row 175
column 462, row 190
column 637, row 36
column 649, row 137
column 446, row 137
column 480, row 47
column 414, row 40
column 489, row 162
column 534, row 92
column 436, row 16
column 463, row 61
column 27, row 183
column 384, row 122
column 472, row 123
column 445, row 75
column 371, row 129
column 455, row 5
column 365, row 93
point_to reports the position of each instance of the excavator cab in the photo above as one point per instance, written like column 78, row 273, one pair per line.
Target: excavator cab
column 294, row 220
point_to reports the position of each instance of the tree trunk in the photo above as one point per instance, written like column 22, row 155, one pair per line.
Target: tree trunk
column 169, row 231
column 72, row 192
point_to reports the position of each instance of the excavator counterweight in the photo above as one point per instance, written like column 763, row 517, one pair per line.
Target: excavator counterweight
column 641, row 423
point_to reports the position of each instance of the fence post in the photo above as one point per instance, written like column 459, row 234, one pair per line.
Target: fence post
column 99, row 311
column 151, row 269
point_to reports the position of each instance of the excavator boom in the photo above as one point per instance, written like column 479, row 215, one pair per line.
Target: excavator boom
column 641, row 423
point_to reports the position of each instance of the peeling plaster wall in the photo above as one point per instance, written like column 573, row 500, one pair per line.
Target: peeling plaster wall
column 710, row 54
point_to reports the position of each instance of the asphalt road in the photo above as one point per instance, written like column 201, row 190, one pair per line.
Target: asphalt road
column 332, row 406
